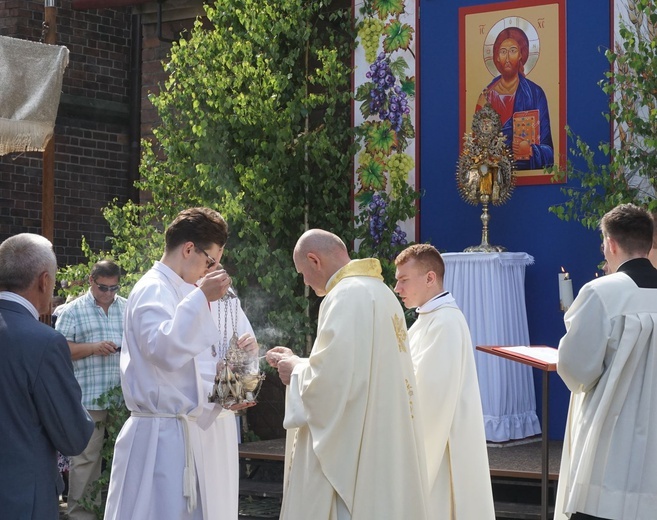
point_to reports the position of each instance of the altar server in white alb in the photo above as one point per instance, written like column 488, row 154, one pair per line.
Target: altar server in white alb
column 354, row 446
column 163, row 466
column 608, row 360
column 447, row 390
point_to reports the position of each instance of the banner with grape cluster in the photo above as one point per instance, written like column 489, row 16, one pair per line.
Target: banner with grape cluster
column 385, row 167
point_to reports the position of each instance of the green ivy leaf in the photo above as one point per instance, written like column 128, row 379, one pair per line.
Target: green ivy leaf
column 240, row 131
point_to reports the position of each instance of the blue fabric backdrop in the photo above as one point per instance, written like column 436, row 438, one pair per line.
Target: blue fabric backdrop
column 523, row 223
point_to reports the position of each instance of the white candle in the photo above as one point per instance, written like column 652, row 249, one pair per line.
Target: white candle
column 565, row 290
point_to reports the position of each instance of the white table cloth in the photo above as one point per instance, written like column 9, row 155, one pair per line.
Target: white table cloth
column 490, row 290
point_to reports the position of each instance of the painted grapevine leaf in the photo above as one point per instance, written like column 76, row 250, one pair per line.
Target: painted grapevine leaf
column 365, row 109
column 371, row 175
column 363, row 197
column 407, row 127
column 386, row 8
column 382, row 138
column 397, row 36
column 398, row 66
column 363, row 91
column 408, row 86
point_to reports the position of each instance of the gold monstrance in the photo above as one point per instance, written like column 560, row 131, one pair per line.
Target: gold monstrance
column 485, row 171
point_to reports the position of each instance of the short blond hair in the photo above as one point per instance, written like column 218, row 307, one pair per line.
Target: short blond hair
column 424, row 254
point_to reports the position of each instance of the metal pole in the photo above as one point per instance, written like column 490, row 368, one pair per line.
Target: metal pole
column 48, row 183
column 48, row 177
column 545, row 469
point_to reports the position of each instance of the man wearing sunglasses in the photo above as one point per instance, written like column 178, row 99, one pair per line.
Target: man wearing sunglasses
column 93, row 327
column 166, row 462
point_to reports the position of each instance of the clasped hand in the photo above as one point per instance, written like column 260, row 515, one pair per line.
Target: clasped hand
column 215, row 284
column 284, row 360
column 104, row 348
column 249, row 344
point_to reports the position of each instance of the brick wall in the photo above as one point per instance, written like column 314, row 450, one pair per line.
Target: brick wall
column 154, row 52
column 91, row 134
column 92, row 138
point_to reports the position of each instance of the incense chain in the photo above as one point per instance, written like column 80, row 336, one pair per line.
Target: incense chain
column 225, row 344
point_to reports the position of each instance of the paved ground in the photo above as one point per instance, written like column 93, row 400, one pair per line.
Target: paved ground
column 251, row 508
column 516, row 460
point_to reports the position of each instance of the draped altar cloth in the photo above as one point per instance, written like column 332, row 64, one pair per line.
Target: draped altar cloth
column 490, row 290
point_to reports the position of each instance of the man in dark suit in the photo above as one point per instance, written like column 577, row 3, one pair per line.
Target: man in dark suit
column 40, row 400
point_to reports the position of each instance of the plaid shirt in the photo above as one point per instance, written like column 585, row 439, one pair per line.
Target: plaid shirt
column 83, row 321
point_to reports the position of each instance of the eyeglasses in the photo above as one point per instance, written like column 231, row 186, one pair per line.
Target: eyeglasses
column 211, row 261
column 104, row 288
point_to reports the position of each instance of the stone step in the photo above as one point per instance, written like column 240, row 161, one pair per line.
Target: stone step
column 259, row 488
column 518, row 511
column 257, row 508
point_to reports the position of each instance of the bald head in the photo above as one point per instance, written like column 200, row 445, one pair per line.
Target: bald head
column 318, row 255
column 321, row 242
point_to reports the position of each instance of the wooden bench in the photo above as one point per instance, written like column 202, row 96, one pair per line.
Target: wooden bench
column 511, row 467
column 521, row 461
column 261, row 468
column 263, row 450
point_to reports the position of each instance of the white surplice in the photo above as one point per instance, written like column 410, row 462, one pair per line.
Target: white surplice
column 166, row 327
column 608, row 359
column 453, row 422
column 354, row 449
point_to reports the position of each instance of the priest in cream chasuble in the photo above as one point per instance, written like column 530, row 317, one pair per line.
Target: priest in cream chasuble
column 354, row 445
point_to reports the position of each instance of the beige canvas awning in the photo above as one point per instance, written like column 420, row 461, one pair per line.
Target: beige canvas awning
column 31, row 76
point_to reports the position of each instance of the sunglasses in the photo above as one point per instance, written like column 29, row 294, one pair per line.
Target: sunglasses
column 211, row 261
column 105, row 288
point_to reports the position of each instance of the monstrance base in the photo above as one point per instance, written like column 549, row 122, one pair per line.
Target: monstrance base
column 484, row 248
